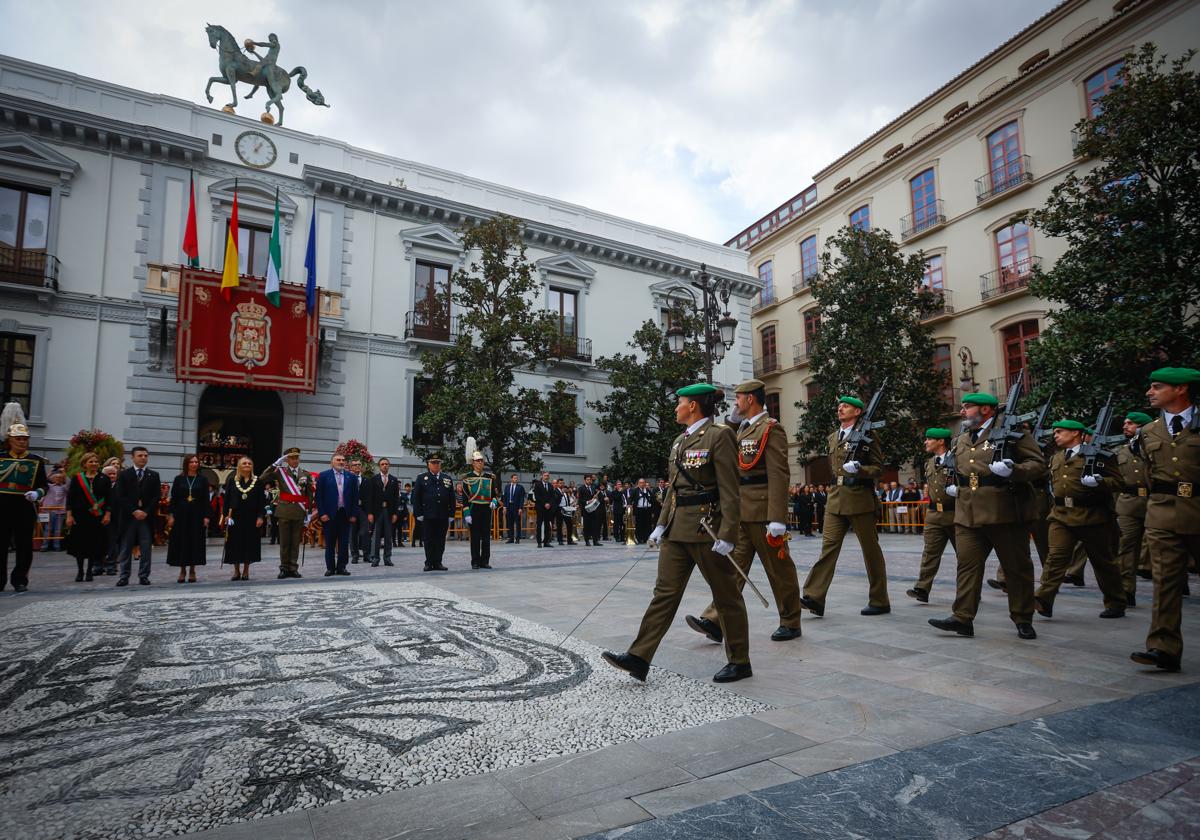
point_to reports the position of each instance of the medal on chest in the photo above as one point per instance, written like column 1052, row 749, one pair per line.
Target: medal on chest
column 693, row 458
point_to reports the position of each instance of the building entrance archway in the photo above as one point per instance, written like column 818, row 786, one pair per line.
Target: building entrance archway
column 232, row 422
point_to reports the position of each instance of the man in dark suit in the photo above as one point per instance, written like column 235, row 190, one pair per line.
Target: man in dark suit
column 591, row 521
column 642, row 501
column 433, row 504
column 337, row 505
column 139, row 489
column 360, row 531
column 514, row 505
column 382, row 505
column 545, row 499
column 616, row 502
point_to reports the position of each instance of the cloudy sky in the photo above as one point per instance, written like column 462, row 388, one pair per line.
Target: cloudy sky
column 695, row 116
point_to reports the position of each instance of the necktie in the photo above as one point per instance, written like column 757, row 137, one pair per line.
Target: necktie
column 745, row 424
column 974, row 436
column 1070, row 455
column 1176, row 424
column 139, row 472
column 340, row 483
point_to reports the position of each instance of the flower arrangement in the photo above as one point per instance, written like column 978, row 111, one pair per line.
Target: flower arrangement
column 92, row 440
column 356, row 449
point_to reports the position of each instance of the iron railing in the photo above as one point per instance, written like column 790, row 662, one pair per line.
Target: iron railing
column 802, row 280
column 765, row 298
column 29, row 268
column 943, row 304
column 574, row 347
column 1000, row 385
column 430, row 326
column 767, row 363
column 800, row 353
column 1007, row 278
column 1003, row 178
column 923, row 218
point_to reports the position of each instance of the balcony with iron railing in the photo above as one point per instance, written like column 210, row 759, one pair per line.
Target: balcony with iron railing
column 35, row 269
column 766, row 363
column 440, row 327
column 801, row 280
column 943, row 304
column 1003, row 178
column 800, row 353
column 1000, row 385
column 765, row 298
column 923, row 219
column 1007, row 278
column 573, row 348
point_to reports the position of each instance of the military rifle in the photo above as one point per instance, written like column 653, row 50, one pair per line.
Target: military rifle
column 860, row 438
column 1096, row 449
column 1007, row 430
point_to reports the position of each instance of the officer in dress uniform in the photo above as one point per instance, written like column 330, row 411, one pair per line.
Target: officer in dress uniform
column 1082, row 515
column 993, row 505
column 1132, row 549
column 702, row 490
column 295, row 499
column 851, row 504
column 939, row 515
column 433, row 503
column 480, row 496
column 23, row 483
column 763, row 477
column 1172, row 449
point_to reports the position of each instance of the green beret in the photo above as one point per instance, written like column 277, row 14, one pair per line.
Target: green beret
column 938, row 434
column 1176, row 375
column 980, row 399
column 750, row 386
column 854, row 401
column 1141, row 418
column 1069, row 425
column 698, row 389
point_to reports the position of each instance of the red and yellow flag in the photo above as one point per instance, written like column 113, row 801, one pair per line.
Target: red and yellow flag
column 229, row 274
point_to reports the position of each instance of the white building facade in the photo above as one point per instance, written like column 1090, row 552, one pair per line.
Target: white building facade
column 93, row 203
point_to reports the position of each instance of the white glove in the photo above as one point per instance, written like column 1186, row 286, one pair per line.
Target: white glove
column 32, row 496
column 723, row 548
column 656, row 535
column 1002, row 468
column 494, row 504
column 851, row 467
column 420, row 518
column 776, row 529
column 952, row 491
column 468, row 520
column 1090, row 481
column 229, row 521
column 279, row 461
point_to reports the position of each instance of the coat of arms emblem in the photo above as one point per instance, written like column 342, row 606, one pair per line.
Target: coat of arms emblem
column 250, row 335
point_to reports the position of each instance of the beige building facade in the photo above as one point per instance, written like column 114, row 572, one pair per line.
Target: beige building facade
column 947, row 177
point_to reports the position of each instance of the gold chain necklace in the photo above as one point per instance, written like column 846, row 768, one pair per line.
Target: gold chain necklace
column 237, row 482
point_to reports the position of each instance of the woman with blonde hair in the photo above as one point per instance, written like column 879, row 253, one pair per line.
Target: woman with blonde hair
column 245, row 506
column 88, row 516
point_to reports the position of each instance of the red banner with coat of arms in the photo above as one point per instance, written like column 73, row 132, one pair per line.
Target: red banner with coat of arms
column 245, row 341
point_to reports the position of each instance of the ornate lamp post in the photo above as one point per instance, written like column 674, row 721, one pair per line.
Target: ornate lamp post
column 720, row 328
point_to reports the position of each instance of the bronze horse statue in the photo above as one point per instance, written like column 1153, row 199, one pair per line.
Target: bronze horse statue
column 235, row 66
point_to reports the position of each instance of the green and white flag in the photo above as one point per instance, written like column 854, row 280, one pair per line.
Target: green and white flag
column 274, row 258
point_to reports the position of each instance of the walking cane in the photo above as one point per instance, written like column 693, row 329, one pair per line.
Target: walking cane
column 736, row 567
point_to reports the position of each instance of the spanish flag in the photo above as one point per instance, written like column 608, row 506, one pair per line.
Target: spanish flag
column 229, row 275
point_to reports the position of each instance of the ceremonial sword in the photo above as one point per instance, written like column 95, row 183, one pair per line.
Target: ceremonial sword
column 736, row 567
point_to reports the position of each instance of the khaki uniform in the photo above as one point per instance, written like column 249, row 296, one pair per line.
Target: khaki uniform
column 1172, row 526
column 994, row 513
column 1082, row 516
column 290, row 512
column 708, row 489
column 1132, row 498
column 763, row 477
column 939, row 524
column 851, row 504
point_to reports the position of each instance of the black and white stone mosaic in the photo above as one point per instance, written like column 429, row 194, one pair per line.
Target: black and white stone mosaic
column 153, row 717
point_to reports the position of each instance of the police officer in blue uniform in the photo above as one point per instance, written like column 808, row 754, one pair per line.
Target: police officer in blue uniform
column 433, row 503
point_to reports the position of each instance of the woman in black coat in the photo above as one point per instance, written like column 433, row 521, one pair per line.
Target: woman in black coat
column 245, row 506
column 188, row 519
column 88, row 516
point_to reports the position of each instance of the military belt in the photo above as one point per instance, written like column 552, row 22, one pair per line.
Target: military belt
column 1080, row 501
column 760, row 478
column 852, row 481
column 1134, row 490
column 943, row 507
column 982, row 481
column 1183, row 489
column 696, row 499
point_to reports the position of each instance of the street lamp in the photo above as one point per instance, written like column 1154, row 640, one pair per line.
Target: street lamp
column 720, row 327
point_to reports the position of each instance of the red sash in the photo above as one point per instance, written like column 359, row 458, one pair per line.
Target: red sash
column 97, row 506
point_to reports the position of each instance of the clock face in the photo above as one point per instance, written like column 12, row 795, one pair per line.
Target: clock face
column 255, row 149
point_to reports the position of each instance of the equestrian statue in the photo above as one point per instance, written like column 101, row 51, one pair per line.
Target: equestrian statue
column 236, row 66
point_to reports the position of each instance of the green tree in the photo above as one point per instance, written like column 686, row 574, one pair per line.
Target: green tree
column 640, row 407
column 475, row 388
column 1128, row 285
column 872, row 305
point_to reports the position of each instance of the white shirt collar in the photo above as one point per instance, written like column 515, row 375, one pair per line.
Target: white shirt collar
column 1186, row 415
column 755, row 418
column 695, row 427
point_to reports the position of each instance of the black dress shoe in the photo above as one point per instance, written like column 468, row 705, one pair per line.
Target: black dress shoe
column 121, row 582
column 440, row 568
column 733, row 672
column 1113, row 612
column 79, row 577
column 388, row 563
column 637, row 667
column 918, row 593
column 282, row 576
column 998, row 584
column 429, row 568
column 144, row 581
column 1043, row 608
column 812, row 606
column 343, row 572
column 705, row 627
column 1157, row 658
column 296, row 575
column 20, row 587
column 329, row 573
column 1074, row 580
column 374, row 564
column 873, row 610
column 1130, row 600
column 1025, row 630
column 953, row 625
column 485, row 565
column 785, row 634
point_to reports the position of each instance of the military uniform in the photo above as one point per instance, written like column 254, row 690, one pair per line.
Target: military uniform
column 763, row 477
column 1081, row 515
column 1132, row 498
column 480, row 495
column 703, row 483
column 18, row 514
column 433, row 503
column 939, row 519
column 850, row 505
column 295, row 498
column 993, row 512
column 1173, row 512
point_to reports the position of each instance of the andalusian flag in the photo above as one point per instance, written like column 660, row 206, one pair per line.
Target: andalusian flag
column 274, row 260
column 229, row 274
column 191, row 242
